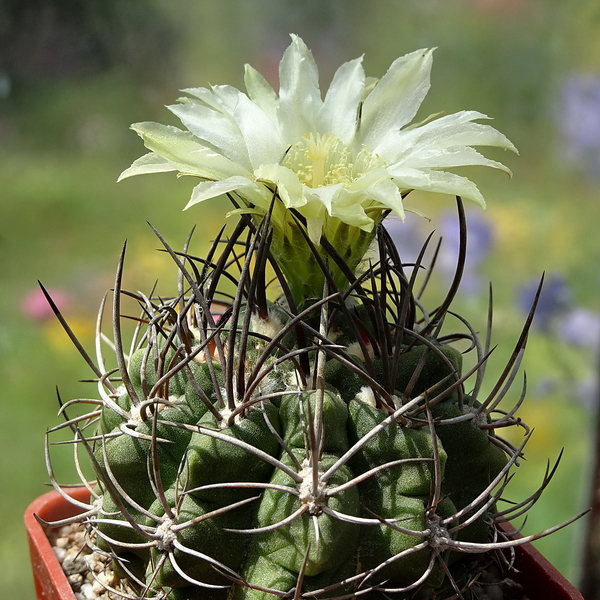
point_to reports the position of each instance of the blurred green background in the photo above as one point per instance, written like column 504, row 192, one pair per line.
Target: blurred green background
column 75, row 73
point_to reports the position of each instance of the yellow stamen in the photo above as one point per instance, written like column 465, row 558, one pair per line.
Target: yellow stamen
column 323, row 159
column 317, row 149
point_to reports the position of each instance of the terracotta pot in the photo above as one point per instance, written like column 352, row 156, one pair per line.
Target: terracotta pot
column 50, row 580
column 540, row 580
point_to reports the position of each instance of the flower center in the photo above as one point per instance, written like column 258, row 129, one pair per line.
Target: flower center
column 321, row 160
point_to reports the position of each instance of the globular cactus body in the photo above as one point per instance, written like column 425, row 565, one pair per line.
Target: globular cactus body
column 266, row 451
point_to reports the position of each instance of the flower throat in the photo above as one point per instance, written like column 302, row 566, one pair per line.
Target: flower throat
column 319, row 160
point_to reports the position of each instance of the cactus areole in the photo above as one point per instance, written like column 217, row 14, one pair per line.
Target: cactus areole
column 293, row 421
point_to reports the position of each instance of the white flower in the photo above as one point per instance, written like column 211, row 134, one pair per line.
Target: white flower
column 341, row 161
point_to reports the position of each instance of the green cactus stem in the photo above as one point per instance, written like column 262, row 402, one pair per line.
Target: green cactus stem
column 322, row 450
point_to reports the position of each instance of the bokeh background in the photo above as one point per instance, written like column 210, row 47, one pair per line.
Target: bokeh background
column 75, row 73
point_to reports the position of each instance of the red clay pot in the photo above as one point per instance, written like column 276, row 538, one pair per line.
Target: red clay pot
column 540, row 580
column 50, row 580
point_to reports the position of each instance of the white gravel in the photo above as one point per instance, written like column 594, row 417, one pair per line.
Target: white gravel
column 89, row 573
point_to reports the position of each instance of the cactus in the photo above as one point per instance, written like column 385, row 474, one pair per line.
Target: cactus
column 294, row 421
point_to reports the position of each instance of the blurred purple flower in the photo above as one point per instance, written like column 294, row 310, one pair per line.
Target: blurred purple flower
column 581, row 327
column 555, row 301
column 580, row 121
column 35, row 306
column 480, row 240
column 407, row 236
column 586, row 391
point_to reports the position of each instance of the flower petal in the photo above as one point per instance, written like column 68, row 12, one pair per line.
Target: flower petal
column 217, row 129
column 386, row 195
column 237, row 124
column 148, row 163
column 325, row 195
column 436, row 181
column 461, row 156
column 206, row 96
column 395, row 100
column 448, row 131
column 370, row 179
column 316, row 216
column 339, row 114
column 334, row 201
column 348, row 207
column 212, row 189
column 260, row 92
column 259, row 132
column 285, row 181
column 299, row 94
column 185, row 153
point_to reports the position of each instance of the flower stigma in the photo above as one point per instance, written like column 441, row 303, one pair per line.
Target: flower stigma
column 320, row 160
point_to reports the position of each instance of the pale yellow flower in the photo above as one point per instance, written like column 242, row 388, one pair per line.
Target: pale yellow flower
column 341, row 161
